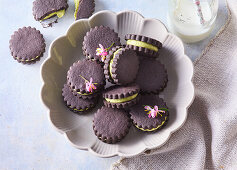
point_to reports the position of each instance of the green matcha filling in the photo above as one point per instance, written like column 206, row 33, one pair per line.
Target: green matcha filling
column 76, row 8
column 78, row 109
column 152, row 128
column 122, row 100
column 142, row 44
column 60, row 14
column 111, row 62
column 84, row 94
column 27, row 60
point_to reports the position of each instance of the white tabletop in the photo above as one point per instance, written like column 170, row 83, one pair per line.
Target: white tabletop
column 28, row 141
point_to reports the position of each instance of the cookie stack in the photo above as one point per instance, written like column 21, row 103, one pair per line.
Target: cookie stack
column 136, row 75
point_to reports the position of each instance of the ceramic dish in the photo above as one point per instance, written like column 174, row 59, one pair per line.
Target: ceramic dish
column 77, row 129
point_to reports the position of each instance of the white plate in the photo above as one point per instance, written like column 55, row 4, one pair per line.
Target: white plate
column 65, row 50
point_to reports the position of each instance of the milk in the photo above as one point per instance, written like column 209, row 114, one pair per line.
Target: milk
column 184, row 21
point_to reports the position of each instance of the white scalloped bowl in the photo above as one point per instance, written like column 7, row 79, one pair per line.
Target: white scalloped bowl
column 65, row 50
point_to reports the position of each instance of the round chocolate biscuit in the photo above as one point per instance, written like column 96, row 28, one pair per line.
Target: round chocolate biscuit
column 121, row 96
column 84, row 8
column 142, row 117
column 152, row 76
column 111, row 125
column 121, row 66
column 27, row 45
column 99, row 36
column 86, row 78
column 143, row 45
column 76, row 104
column 44, row 9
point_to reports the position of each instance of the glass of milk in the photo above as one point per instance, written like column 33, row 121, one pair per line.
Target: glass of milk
column 192, row 20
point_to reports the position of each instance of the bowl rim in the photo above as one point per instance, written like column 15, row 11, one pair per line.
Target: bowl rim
column 118, row 153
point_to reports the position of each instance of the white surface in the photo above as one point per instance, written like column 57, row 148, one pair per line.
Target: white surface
column 67, row 49
column 28, row 139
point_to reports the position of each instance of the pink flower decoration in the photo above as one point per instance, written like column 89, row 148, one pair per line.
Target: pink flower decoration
column 102, row 52
column 153, row 112
column 90, row 86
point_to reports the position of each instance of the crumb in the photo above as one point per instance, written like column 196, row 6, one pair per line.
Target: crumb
column 49, row 22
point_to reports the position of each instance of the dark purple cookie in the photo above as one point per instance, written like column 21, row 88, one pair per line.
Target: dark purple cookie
column 121, row 96
column 99, row 37
column 85, row 8
column 43, row 8
column 121, row 66
column 76, row 104
column 86, row 78
column 150, row 113
column 111, row 125
column 27, row 45
column 152, row 76
column 143, row 45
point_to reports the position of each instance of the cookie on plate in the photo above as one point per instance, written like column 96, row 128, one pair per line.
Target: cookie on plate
column 98, row 41
column 84, row 8
column 44, row 9
column 111, row 125
column 143, row 45
column 27, row 45
column 121, row 66
column 152, row 76
column 121, row 96
column 150, row 113
column 76, row 104
column 86, row 78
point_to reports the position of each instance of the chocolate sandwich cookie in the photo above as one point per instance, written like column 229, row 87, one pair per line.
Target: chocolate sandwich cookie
column 143, row 45
column 121, row 96
column 44, row 9
column 98, row 41
column 111, row 125
column 150, row 113
column 152, row 76
column 76, row 104
column 86, row 78
column 121, row 66
column 84, row 8
column 27, row 45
